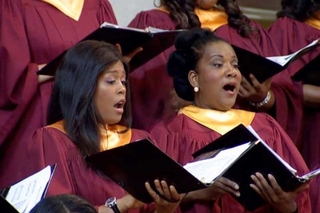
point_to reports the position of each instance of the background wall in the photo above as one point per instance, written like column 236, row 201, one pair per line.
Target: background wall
column 126, row 10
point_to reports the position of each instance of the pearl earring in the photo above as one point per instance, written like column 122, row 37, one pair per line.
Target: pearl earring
column 196, row 89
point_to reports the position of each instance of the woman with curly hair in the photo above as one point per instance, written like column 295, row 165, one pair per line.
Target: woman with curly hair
column 279, row 97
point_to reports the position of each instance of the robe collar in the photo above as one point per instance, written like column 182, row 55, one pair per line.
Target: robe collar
column 221, row 122
column 211, row 19
column 72, row 9
column 313, row 22
column 112, row 137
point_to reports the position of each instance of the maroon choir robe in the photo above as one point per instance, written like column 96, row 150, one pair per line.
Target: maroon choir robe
column 152, row 85
column 31, row 33
column 183, row 136
column 73, row 175
column 291, row 35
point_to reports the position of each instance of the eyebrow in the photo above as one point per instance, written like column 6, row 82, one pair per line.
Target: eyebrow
column 115, row 72
column 221, row 56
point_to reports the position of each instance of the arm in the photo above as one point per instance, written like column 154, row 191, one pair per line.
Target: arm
column 311, row 95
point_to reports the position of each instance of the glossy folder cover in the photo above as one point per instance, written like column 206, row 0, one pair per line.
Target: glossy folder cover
column 257, row 158
column 265, row 67
column 131, row 165
column 310, row 73
column 152, row 40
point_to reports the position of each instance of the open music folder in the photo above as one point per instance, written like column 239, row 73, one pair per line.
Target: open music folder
column 152, row 40
column 236, row 155
column 265, row 67
column 22, row 196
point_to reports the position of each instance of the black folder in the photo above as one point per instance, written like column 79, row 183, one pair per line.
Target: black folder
column 131, row 165
column 257, row 158
column 263, row 68
column 310, row 73
column 152, row 40
column 6, row 207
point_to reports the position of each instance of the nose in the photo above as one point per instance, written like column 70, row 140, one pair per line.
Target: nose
column 122, row 88
column 231, row 71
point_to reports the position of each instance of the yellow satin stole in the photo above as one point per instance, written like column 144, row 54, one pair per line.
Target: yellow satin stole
column 71, row 8
column 211, row 19
column 313, row 22
column 221, row 122
column 110, row 138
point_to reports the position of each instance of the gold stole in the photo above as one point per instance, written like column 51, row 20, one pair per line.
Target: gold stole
column 313, row 22
column 71, row 8
column 110, row 138
column 221, row 122
column 211, row 19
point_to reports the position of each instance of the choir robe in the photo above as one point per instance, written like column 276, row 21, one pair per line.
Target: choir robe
column 152, row 85
column 73, row 175
column 183, row 136
column 291, row 35
column 31, row 33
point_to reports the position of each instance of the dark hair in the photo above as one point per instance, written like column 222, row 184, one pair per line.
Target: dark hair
column 189, row 49
column 300, row 10
column 182, row 11
column 65, row 203
column 73, row 93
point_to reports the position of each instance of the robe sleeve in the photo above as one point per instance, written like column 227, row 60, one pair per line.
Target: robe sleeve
column 18, row 79
column 106, row 13
column 282, row 144
column 48, row 147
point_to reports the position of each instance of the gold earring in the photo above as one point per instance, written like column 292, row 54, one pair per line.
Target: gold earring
column 196, row 89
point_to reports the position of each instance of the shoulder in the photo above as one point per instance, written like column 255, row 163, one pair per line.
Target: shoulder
column 153, row 18
column 52, row 137
column 266, row 125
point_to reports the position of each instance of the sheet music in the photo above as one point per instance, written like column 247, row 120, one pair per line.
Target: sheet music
column 209, row 169
column 25, row 194
column 283, row 60
column 271, row 150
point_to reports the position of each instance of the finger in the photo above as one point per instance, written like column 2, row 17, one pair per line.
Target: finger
column 223, row 189
column 245, row 83
column 274, row 184
column 243, row 91
column 259, row 188
column 165, row 189
column 134, row 52
column 256, row 84
column 174, row 194
column 301, row 188
column 266, row 188
column 158, row 186
column 229, row 183
column 152, row 193
column 118, row 46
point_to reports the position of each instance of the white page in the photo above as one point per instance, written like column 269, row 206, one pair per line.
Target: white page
column 209, row 169
column 271, row 150
column 25, row 194
column 107, row 24
column 283, row 60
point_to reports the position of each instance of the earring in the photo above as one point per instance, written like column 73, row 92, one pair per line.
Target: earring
column 196, row 89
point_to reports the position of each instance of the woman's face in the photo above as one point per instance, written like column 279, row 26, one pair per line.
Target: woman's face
column 206, row 4
column 217, row 77
column 110, row 94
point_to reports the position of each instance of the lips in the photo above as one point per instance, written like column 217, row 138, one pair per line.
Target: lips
column 120, row 104
column 230, row 87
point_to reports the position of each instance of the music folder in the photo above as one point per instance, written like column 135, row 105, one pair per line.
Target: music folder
column 22, row 196
column 242, row 157
column 152, row 40
column 265, row 67
column 131, row 165
column 309, row 73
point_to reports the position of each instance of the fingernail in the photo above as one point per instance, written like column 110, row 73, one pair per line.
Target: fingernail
column 238, row 194
column 236, row 186
column 252, row 177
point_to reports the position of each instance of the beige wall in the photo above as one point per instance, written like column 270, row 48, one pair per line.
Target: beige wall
column 126, row 10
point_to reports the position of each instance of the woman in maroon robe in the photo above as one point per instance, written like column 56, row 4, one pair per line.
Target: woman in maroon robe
column 205, row 71
column 153, row 85
column 87, row 114
column 298, row 25
column 32, row 33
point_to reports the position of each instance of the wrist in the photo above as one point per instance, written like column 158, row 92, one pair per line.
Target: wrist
column 264, row 102
column 112, row 203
